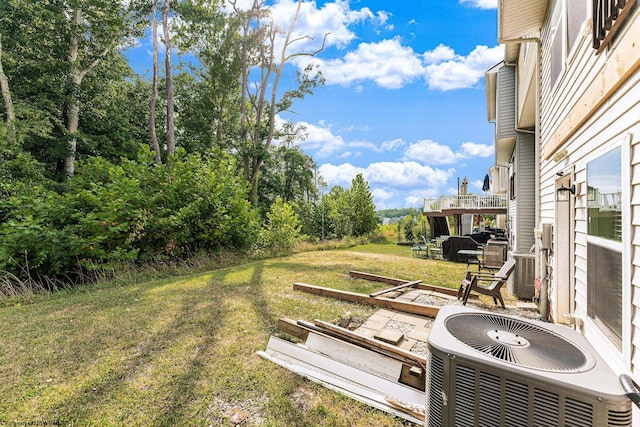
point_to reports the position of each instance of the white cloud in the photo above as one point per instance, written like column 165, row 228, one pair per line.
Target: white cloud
column 321, row 140
column 481, row 4
column 382, row 195
column 477, row 184
column 332, row 19
column 341, row 175
column 387, row 63
column 367, row 145
column 391, row 181
column 430, row 152
column 463, row 71
column 392, row 65
column 439, row 54
column 386, row 174
column 392, row 145
column 471, row 149
column 415, row 198
column 434, row 153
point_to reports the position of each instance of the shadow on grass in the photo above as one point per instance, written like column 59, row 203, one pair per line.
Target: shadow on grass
column 79, row 407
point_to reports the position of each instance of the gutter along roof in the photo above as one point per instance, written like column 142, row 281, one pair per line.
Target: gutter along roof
column 520, row 18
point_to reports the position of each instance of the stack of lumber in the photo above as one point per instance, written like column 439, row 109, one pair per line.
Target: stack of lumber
column 368, row 369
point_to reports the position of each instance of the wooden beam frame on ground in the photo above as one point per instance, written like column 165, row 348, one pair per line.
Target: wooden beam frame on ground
column 395, row 288
column 397, row 282
column 301, row 329
column 407, row 307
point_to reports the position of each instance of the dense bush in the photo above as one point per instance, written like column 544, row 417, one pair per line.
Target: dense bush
column 128, row 212
column 282, row 230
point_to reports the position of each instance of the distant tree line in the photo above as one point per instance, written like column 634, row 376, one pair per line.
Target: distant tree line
column 99, row 165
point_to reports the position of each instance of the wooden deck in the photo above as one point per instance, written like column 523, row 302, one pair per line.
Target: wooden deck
column 491, row 204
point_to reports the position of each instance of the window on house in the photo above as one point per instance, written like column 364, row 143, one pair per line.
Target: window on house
column 604, row 196
column 512, row 186
column 557, row 57
column 608, row 18
column 576, row 15
column 604, row 244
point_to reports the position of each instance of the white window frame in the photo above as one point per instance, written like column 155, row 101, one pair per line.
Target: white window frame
column 608, row 349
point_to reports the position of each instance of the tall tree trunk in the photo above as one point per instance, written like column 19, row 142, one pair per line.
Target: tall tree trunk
column 154, row 94
column 246, row 28
column 8, row 103
column 258, row 161
column 72, row 108
column 171, row 145
column 76, row 74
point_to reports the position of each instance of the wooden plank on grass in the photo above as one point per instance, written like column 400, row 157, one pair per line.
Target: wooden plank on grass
column 353, row 337
column 395, row 288
column 302, row 328
column 290, row 327
column 407, row 307
column 394, row 281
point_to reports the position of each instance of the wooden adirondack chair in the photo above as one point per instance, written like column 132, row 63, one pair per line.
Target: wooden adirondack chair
column 471, row 283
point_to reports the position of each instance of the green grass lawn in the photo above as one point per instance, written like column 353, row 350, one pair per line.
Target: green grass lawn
column 183, row 351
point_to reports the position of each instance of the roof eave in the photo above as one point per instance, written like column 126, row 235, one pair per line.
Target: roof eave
column 518, row 19
column 491, row 81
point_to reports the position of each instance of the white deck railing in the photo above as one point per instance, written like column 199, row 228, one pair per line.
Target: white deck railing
column 471, row 202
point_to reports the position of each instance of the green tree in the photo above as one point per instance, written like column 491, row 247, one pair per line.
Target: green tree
column 337, row 213
column 54, row 77
column 362, row 209
column 288, row 173
column 409, row 227
column 94, row 31
column 8, row 102
column 282, row 230
column 258, row 107
column 208, row 113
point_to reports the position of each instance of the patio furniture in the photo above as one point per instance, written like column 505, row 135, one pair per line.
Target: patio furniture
column 493, row 257
column 454, row 244
column 473, row 256
column 421, row 249
column 496, row 281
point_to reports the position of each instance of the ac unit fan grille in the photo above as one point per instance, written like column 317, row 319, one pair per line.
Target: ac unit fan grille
column 517, row 342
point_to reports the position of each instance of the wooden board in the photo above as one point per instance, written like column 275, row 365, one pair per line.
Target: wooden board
column 409, row 357
column 301, row 328
column 395, row 288
column 393, row 281
column 407, row 307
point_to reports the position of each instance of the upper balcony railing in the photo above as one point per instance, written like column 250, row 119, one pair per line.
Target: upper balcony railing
column 608, row 18
column 466, row 203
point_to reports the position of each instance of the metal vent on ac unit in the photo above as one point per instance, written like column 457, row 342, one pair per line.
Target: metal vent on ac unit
column 518, row 342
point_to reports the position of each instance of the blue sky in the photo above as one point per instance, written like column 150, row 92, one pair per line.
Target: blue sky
column 404, row 98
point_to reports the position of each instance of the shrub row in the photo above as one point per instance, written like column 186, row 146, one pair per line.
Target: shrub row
column 134, row 211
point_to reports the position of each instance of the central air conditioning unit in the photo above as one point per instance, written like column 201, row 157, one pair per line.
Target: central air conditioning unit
column 488, row 369
column 522, row 282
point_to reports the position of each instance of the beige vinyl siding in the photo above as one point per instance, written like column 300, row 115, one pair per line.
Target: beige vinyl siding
column 525, row 199
column 605, row 129
column 506, row 103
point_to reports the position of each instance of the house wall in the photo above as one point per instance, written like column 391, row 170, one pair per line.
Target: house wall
column 505, row 103
column 524, row 167
column 577, row 124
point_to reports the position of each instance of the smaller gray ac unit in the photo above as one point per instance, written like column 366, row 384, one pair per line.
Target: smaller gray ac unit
column 487, row 369
column 521, row 283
